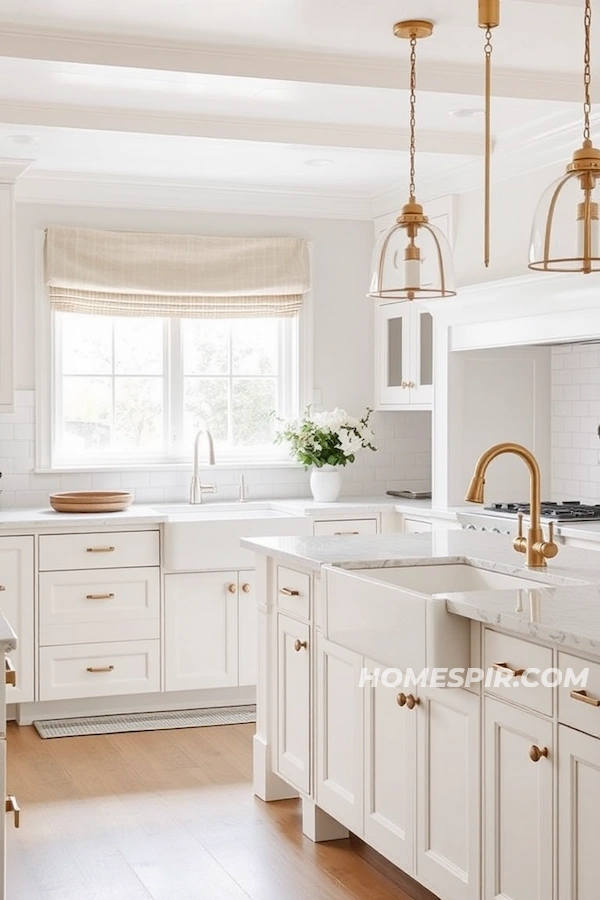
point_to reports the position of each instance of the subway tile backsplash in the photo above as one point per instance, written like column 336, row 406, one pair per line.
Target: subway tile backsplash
column 402, row 461
column 575, row 452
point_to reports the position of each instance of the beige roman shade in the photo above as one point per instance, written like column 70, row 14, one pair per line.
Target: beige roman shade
column 120, row 273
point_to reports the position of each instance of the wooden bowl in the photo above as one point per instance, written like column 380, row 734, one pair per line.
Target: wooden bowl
column 91, row 501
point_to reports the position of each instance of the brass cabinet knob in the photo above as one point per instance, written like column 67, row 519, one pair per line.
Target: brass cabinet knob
column 298, row 645
column 536, row 753
column 2, row 587
column 408, row 700
column 410, row 384
column 246, row 588
column 232, row 588
column 13, row 807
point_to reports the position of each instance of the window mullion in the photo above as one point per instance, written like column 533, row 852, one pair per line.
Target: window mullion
column 175, row 387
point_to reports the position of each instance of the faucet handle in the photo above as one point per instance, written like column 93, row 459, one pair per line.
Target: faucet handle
column 520, row 542
column 549, row 548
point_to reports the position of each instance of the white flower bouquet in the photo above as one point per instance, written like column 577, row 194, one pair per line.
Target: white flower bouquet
column 328, row 438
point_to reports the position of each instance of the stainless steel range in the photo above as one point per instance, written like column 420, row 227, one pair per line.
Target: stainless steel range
column 497, row 517
column 568, row 511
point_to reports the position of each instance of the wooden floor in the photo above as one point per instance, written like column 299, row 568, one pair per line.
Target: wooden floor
column 164, row 815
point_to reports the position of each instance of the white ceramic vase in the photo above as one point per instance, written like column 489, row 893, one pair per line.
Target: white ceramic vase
column 326, row 483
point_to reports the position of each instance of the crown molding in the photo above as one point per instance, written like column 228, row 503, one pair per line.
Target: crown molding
column 256, row 62
column 68, row 189
column 12, row 169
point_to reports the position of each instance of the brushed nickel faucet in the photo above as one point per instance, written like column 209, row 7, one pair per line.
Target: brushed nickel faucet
column 196, row 487
column 534, row 546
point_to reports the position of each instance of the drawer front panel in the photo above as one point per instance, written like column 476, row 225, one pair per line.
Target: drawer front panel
column 346, row 526
column 293, row 592
column 576, row 704
column 99, row 670
column 505, row 653
column 99, row 550
column 84, row 606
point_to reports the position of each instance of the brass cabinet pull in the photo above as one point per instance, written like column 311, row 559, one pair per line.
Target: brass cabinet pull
column 99, row 549
column 408, row 700
column 10, row 676
column 13, row 807
column 246, row 588
column 346, row 532
column 96, row 669
column 583, row 697
column 99, row 596
column 298, row 645
column 232, row 588
column 289, row 592
column 504, row 667
column 536, row 753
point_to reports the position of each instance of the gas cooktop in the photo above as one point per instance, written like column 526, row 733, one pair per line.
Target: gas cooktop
column 569, row 511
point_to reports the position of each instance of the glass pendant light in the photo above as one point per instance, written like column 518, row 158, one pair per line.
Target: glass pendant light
column 412, row 261
column 565, row 236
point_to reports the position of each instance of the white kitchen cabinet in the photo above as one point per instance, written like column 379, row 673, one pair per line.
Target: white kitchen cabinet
column 201, row 630
column 448, row 793
column 17, row 604
column 247, row 628
column 518, row 805
column 390, row 766
column 339, row 739
column 294, row 730
column 403, row 356
column 10, row 170
column 579, row 814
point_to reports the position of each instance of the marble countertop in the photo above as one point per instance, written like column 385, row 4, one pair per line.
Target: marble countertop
column 564, row 610
column 18, row 519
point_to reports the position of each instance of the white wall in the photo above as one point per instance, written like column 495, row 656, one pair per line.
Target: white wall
column 342, row 363
column 575, row 422
column 514, row 203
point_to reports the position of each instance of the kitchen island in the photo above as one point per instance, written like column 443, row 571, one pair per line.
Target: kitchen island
column 479, row 791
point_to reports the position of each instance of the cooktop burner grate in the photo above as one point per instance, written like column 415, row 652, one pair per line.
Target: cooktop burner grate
column 568, row 511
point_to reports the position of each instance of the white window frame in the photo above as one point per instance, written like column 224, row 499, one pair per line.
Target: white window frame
column 297, row 345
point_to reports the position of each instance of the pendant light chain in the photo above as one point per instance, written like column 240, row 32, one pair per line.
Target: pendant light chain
column 413, row 117
column 587, row 74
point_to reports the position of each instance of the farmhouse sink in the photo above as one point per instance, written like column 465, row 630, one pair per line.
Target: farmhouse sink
column 206, row 511
column 397, row 616
column 445, row 579
column 207, row 535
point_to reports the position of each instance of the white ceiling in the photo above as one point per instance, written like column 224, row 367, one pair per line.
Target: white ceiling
column 240, row 93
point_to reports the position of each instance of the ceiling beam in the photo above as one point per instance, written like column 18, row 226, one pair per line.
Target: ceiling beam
column 268, row 131
column 313, row 68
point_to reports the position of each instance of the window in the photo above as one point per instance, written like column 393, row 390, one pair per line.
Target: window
column 135, row 390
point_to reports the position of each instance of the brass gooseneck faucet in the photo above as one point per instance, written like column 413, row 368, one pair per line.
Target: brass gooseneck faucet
column 534, row 546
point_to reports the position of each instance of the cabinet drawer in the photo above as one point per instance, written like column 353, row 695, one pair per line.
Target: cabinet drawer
column 293, row 591
column 95, row 605
column 573, row 709
column 99, row 670
column 346, row 526
column 516, row 654
column 99, row 550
